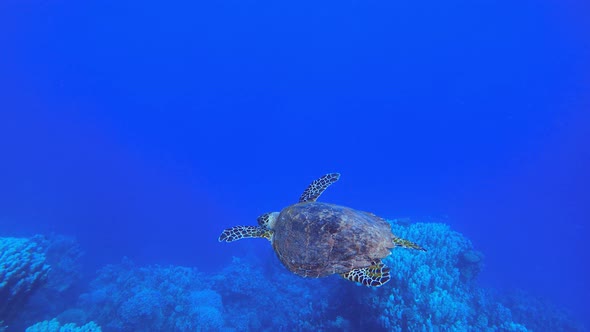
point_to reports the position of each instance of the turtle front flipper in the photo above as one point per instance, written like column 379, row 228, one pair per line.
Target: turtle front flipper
column 317, row 187
column 374, row 276
column 407, row 244
column 241, row 232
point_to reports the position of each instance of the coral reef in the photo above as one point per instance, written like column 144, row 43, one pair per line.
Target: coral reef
column 435, row 290
column 154, row 298
column 62, row 284
column 54, row 326
column 23, row 269
column 432, row 288
column 241, row 298
column 63, row 255
column 539, row 314
column 257, row 298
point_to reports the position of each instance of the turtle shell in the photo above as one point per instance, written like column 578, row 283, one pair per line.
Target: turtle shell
column 317, row 239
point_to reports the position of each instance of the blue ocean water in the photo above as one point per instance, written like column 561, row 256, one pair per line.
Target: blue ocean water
column 132, row 133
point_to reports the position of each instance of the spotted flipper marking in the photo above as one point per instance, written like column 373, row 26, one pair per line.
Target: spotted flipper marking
column 241, row 232
column 407, row 244
column 317, row 187
column 373, row 276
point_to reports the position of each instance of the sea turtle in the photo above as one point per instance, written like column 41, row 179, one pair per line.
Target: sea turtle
column 314, row 239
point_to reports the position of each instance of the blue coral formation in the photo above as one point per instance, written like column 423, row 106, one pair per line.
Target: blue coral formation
column 429, row 291
column 23, row 269
column 55, row 326
column 154, row 298
column 242, row 297
column 61, row 283
column 437, row 290
column 257, row 296
column 434, row 288
column 64, row 256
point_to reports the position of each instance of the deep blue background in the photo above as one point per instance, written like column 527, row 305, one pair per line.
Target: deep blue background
column 145, row 128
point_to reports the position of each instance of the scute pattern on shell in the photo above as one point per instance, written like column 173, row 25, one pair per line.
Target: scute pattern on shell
column 318, row 239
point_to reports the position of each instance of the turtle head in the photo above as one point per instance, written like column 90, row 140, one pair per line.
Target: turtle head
column 267, row 220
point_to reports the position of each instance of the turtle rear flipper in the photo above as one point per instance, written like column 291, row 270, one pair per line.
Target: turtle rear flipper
column 241, row 232
column 317, row 187
column 407, row 244
column 375, row 275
